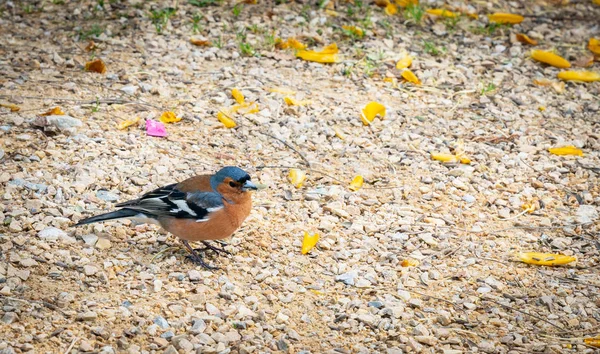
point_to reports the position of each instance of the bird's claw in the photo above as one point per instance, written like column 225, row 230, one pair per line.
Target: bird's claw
column 197, row 259
column 208, row 246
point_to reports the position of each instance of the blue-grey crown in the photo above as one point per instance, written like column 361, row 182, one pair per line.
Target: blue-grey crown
column 235, row 173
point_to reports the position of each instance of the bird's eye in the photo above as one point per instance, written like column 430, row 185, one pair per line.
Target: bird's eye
column 232, row 184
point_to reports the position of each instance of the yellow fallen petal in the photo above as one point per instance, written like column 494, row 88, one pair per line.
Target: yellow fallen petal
column 566, row 150
column 409, row 263
column 56, row 111
column 245, row 108
column 238, row 96
column 410, row 77
column 405, row 3
column 225, row 119
column 404, row 62
column 550, row 59
column 297, row 177
column 291, row 43
column 371, row 110
column 541, row 108
column 594, row 45
column 332, row 13
column 500, row 17
column 559, row 87
column 357, row 183
column 330, row 49
column 317, row 57
column 464, row 160
column 528, row 207
column 357, row 31
column 339, row 133
column 523, row 38
column 293, row 102
column 128, row 123
column 547, row 259
column 593, row 341
column 169, row 117
column 309, row 242
column 391, row 9
column 586, row 76
column 597, row 2
column 281, row 90
column 440, row 156
column 442, row 12
column 12, row 107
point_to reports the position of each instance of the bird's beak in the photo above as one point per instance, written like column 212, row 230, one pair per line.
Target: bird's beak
column 248, row 185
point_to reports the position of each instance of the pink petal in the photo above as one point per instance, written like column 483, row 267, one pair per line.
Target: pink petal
column 154, row 128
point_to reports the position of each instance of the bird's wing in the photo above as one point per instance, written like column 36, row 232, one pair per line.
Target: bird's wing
column 169, row 201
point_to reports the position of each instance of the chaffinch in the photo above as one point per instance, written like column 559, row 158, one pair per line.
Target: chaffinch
column 201, row 208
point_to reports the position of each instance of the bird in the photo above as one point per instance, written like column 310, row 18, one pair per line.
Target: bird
column 200, row 208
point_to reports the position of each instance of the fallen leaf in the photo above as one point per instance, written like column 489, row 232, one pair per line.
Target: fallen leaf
column 566, row 150
column 550, row 59
column 56, row 111
column 409, row 263
column 238, row 96
column 357, row 183
column 404, row 62
column 405, row 3
column 357, row 31
column 154, row 128
column 382, row 3
column 547, row 259
column 297, row 177
column 523, row 38
column 169, row 117
column 500, row 17
column 250, row 2
column 309, row 242
column 127, row 123
column 442, row 12
column 391, row 9
column 226, row 120
column 371, row 110
column 293, row 102
column 559, row 87
column 11, row 106
column 200, row 42
column 594, row 45
column 585, row 76
column 91, row 46
column 96, row 66
column 290, row 43
column 584, row 61
column 326, row 55
column 410, row 77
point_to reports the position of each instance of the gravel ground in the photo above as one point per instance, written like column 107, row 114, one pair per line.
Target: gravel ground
column 420, row 260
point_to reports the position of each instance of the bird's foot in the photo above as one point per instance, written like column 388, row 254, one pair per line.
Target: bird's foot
column 196, row 258
column 208, row 246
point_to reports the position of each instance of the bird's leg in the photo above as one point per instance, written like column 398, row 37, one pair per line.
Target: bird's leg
column 196, row 257
column 217, row 250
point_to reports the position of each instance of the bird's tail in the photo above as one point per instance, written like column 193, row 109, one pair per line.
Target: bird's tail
column 123, row 213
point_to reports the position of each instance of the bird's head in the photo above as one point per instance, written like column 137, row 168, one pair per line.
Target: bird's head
column 231, row 181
